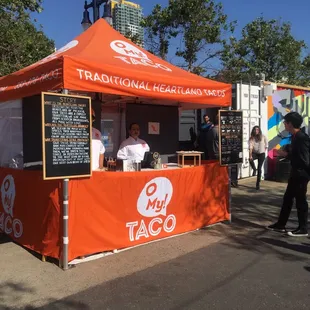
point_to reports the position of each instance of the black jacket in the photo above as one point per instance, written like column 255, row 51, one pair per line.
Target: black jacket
column 203, row 137
column 299, row 155
column 213, row 142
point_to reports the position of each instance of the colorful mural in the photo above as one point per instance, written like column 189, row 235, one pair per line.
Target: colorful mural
column 280, row 103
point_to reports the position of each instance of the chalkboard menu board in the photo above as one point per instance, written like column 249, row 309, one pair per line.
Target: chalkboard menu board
column 66, row 127
column 231, row 137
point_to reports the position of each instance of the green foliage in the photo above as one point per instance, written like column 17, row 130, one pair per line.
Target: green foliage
column 20, row 6
column 135, row 38
column 158, row 26
column 304, row 72
column 21, row 43
column 198, row 25
column 265, row 47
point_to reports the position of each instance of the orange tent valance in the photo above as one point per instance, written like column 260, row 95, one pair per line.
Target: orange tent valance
column 102, row 60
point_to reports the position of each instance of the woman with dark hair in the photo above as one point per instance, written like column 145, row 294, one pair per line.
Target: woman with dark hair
column 258, row 145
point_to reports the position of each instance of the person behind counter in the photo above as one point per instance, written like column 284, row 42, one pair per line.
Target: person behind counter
column 133, row 148
column 98, row 148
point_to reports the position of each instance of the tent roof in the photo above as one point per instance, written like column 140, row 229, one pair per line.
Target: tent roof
column 102, row 60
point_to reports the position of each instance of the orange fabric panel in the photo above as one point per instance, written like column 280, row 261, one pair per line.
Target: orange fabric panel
column 129, row 81
column 30, row 210
column 270, row 107
column 102, row 60
column 111, row 210
column 32, row 80
column 299, row 92
column 114, row 210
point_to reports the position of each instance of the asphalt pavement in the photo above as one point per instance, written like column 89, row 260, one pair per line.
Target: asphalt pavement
column 240, row 265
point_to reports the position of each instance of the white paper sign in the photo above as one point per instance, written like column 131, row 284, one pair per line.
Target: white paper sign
column 154, row 128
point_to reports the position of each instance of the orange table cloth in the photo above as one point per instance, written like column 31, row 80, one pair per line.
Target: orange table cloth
column 111, row 210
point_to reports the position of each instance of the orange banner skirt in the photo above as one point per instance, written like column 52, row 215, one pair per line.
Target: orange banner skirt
column 111, row 210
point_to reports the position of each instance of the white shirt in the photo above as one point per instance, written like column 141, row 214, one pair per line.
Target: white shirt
column 97, row 148
column 133, row 149
column 258, row 147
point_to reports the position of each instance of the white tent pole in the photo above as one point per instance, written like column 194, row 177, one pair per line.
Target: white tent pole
column 65, row 216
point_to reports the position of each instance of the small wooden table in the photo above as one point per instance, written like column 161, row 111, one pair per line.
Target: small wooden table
column 182, row 155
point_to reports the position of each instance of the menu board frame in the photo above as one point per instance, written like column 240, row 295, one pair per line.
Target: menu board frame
column 65, row 176
column 239, row 159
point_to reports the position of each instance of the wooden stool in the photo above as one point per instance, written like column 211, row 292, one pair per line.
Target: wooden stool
column 182, row 155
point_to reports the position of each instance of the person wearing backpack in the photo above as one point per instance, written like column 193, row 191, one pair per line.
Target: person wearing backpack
column 299, row 177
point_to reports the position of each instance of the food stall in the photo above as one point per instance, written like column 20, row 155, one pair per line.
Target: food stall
column 109, row 210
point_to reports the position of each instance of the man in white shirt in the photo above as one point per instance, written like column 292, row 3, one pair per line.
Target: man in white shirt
column 98, row 148
column 133, row 148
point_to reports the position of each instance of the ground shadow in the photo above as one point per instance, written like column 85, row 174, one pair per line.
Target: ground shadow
column 251, row 213
column 14, row 293
column 61, row 305
column 187, row 282
column 290, row 246
column 196, row 275
column 4, row 238
column 11, row 292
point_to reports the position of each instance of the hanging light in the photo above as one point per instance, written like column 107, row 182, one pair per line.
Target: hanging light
column 86, row 23
column 107, row 16
column 95, row 5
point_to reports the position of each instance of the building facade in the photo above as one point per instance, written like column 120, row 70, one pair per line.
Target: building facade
column 285, row 99
column 127, row 17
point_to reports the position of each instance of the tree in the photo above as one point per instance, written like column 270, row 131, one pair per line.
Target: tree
column 20, row 6
column 158, row 28
column 197, row 24
column 304, row 72
column 21, row 43
column 265, row 47
column 200, row 25
column 134, row 37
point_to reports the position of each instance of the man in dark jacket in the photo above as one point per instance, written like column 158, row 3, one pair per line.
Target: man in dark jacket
column 202, row 137
column 299, row 177
column 212, row 140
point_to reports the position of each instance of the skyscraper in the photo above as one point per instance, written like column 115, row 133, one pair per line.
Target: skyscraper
column 127, row 17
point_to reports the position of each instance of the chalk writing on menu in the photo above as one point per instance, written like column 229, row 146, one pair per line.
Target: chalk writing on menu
column 231, row 137
column 66, row 136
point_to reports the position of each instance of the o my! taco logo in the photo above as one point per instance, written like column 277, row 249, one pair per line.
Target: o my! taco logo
column 155, row 197
column 8, row 194
column 132, row 55
column 152, row 203
column 8, row 223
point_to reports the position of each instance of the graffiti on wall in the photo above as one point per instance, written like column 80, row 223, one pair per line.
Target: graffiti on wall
column 280, row 103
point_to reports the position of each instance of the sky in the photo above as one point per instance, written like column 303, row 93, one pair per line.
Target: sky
column 61, row 19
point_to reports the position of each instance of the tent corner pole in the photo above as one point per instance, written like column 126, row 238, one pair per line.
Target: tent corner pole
column 65, row 216
column 65, row 213
column 229, row 187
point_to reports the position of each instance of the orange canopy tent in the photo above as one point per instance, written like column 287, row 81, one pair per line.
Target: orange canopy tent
column 102, row 60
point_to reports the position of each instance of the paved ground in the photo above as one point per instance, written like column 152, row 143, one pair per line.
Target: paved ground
column 236, row 266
